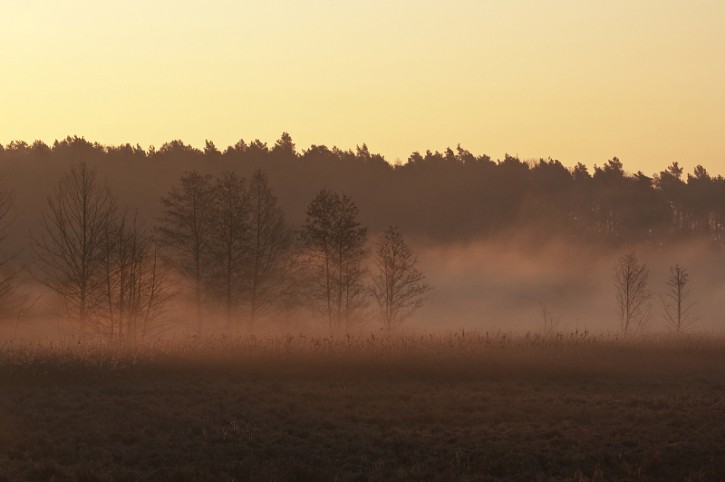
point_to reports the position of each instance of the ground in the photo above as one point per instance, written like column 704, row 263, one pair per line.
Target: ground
column 428, row 410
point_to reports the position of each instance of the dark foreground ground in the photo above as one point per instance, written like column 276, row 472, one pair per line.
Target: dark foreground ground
column 437, row 409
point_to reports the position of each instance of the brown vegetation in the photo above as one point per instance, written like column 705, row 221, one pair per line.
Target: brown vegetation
column 416, row 407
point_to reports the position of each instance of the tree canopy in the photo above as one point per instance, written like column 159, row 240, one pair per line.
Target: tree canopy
column 453, row 195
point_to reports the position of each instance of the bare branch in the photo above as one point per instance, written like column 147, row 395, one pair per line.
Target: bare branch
column 676, row 303
column 398, row 287
column 69, row 248
column 631, row 278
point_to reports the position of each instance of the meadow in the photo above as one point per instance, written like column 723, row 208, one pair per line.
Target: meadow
column 457, row 406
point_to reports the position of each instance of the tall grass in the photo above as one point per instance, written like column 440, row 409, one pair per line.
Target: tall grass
column 458, row 353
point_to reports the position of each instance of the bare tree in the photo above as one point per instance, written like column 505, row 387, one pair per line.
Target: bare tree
column 678, row 308
column 8, row 273
column 335, row 244
column 398, row 286
column 550, row 322
column 231, row 241
column 271, row 241
column 69, row 249
column 631, row 278
column 136, row 287
column 187, row 228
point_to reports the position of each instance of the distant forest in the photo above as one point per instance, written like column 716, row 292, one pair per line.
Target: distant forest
column 436, row 197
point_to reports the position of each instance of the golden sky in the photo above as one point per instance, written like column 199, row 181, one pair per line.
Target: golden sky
column 577, row 80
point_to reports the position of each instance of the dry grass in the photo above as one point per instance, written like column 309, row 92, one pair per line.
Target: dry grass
column 418, row 407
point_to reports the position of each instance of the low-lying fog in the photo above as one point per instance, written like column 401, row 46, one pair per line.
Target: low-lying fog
column 481, row 286
column 505, row 286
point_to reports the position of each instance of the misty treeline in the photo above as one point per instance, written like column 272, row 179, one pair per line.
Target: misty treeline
column 255, row 230
column 446, row 196
column 223, row 242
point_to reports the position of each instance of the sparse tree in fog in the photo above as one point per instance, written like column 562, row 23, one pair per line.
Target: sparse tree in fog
column 335, row 244
column 631, row 282
column 135, row 284
column 550, row 322
column 10, row 304
column 398, row 286
column 676, row 301
column 69, row 248
column 187, row 228
column 270, row 242
column 231, row 241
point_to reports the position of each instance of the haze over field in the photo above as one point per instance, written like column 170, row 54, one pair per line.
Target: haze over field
column 502, row 285
column 369, row 240
column 506, row 245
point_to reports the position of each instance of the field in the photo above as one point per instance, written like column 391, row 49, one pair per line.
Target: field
column 415, row 407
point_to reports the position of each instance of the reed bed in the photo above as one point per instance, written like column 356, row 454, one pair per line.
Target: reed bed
column 461, row 353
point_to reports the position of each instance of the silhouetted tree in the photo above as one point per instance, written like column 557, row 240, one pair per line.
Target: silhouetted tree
column 270, row 242
column 187, row 229
column 631, row 278
column 580, row 173
column 210, row 151
column 257, row 152
column 8, row 273
column 701, row 198
column 75, row 149
column 335, row 243
column 231, row 240
column 398, row 286
column 135, row 284
column 284, row 148
column 672, row 188
column 464, row 196
column 69, row 248
column 676, row 301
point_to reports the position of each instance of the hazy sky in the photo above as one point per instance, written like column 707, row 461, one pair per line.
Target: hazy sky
column 579, row 80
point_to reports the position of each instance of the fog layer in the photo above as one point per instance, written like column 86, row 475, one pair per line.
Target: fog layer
column 506, row 285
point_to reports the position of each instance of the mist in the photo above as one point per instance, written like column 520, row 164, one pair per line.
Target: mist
column 504, row 284
column 499, row 242
column 495, row 286
column 240, row 318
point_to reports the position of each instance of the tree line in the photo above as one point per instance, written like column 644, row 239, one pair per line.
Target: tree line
column 444, row 196
column 223, row 241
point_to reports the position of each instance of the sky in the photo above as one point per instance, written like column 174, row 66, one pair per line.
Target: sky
column 574, row 80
